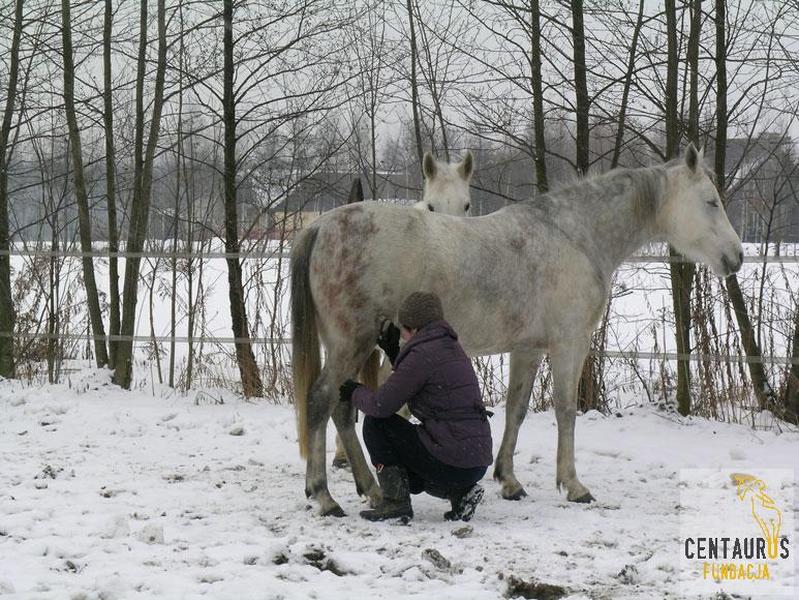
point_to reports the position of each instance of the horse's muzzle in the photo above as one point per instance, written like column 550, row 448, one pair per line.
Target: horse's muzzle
column 732, row 265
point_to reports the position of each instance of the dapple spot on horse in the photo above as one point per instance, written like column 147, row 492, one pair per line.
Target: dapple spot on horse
column 546, row 296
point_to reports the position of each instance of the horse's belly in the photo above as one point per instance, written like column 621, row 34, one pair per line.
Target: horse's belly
column 495, row 335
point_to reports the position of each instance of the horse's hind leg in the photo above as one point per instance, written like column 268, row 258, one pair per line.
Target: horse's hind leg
column 567, row 364
column 340, row 460
column 320, row 406
column 365, row 484
column 372, row 374
column 523, row 368
column 324, row 403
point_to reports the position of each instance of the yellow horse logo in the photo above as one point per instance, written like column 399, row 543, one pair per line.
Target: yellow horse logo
column 764, row 509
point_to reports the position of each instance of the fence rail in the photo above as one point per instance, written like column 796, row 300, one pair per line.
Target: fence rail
column 627, row 355
column 643, row 258
column 284, row 255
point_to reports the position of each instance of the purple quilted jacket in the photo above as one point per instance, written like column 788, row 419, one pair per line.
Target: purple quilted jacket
column 434, row 377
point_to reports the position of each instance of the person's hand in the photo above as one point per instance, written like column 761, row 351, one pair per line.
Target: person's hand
column 346, row 390
column 389, row 340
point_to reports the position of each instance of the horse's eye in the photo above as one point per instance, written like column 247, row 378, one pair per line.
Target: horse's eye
column 466, row 208
column 430, row 208
column 714, row 203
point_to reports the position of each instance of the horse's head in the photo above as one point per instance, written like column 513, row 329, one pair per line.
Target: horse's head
column 693, row 219
column 446, row 186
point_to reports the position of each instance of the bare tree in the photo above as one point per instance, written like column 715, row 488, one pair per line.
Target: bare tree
column 680, row 283
column 417, row 129
column 81, row 197
column 582, row 103
column 760, row 384
column 6, row 302
column 250, row 377
column 440, row 65
column 143, row 173
column 589, row 388
column 628, row 78
column 110, row 182
column 369, row 46
column 792, row 384
column 540, row 147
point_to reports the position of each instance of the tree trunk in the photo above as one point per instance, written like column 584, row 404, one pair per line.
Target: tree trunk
column 250, row 377
column 792, row 387
column 589, row 387
column 540, row 147
column 760, row 383
column 580, row 88
column 143, row 176
column 52, row 308
column 693, row 68
column 614, row 162
column 81, row 197
column 680, row 283
column 7, row 315
column 433, row 85
column 356, row 192
column 110, row 186
column 174, row 269
column 672, row 118
column 682, row 273
column 373, row 149
column 762, row 389
column 417, row 129
column 150, row 295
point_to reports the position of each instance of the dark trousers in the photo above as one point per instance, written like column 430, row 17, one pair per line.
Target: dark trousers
column 394, row 441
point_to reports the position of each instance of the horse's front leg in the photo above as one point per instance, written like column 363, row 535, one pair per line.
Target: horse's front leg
column 523, row 368
column 567, row 364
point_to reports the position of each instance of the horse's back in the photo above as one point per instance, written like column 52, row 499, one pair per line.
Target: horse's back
column 367, row 255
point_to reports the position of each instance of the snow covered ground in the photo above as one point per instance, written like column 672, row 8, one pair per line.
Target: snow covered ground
column 111, row 495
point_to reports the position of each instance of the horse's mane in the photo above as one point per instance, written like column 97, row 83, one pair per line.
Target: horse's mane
column 645, row 189
column 647, row 195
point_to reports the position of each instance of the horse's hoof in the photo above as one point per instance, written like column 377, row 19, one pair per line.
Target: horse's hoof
column 341, row 463
column 585, row 498
column 335, row 511
column 514, row 495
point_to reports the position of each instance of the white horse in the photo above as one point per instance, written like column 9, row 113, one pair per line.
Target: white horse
column 446, row 186
column 528, row 279
column 445, row 191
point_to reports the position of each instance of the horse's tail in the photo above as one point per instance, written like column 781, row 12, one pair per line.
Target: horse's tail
column 305, row 357
column 370, row 370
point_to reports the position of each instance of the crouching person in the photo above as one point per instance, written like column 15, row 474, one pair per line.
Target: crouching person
column 450, row 450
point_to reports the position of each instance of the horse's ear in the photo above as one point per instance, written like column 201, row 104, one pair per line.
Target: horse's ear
column 428, row 166
column 693, row 157
column 467, row 165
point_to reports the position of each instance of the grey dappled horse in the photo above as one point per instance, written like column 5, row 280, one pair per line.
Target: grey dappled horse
column 531, row 278
column 446, row 186
column 446, row 191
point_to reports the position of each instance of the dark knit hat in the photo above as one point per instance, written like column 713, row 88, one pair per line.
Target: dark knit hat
column 419, row 309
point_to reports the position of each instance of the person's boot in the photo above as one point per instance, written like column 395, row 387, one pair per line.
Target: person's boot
column 396, row 503
column 465, row 503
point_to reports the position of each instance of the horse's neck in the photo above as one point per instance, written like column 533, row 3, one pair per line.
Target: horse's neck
column 616, row 239
column 610, row 224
